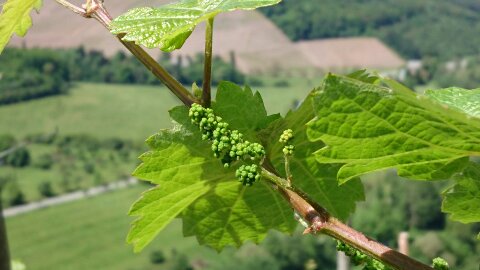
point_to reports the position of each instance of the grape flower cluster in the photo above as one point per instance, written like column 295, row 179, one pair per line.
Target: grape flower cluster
column 359, row 258
column 285, row 138
column 228, row 144
column 440, row 264
column 248, row 174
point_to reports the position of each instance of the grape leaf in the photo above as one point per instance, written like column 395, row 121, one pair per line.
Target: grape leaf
column 15, row 19
column 242, row 109
column 365, row 76
column 319, row 180
column 180, row 177
column 196, row 186
column 368, row 128
column 169, row 26
column 465, row 100
column 462, row 200
column 231, row 213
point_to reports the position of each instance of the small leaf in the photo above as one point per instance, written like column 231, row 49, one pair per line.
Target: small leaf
column 318, row 180
column 169, row 26
column 369, row 128
column 15, row 19
column 365, row 76
column 467, row 101
column 462, row 200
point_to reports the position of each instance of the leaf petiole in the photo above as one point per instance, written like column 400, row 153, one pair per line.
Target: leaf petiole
column 207, row 70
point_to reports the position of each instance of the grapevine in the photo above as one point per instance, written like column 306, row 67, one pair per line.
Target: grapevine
column 247, row 174
column 287, row 150
column 228, row 144
column 285, row 138
column 440, row 264
column 359, row 258
column 331, row 105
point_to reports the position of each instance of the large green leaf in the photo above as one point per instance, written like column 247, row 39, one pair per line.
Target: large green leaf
column 15, row 19
column 465, row 100
column 368, row 128
column 462, row 200
column 191, row 181
column 318, row 180
column 168, row 26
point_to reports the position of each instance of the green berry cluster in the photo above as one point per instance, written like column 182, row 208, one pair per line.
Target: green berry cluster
column 359, row 258
column 285, row 138
column 288, row 150
column 227, row 144
column 248, row 174
column 440, row 264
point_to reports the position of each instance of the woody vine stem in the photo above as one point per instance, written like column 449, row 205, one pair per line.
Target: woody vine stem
column 317, row 218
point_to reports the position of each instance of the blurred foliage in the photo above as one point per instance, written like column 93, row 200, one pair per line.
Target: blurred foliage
column 45, row 162
column 46, row 189
column 18, row 265
column 436, row 28
column 16, row 156
column 277, row 252
column 33, row 73
column 19, row 158
column 65, row 163
column 13, row 195
column 463, row 72
column 414, row 206
column 157, row 257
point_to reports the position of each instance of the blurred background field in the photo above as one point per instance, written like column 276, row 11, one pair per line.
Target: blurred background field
column 80, row 108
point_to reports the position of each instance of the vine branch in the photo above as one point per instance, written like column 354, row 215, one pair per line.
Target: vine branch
column 72, row 7
column 321, row 221
column 207, row 69
column 95, row 9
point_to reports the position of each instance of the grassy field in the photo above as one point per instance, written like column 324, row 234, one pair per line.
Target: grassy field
column 90, row 234
column 123, row 111
column 103, row 111
column 29, row 178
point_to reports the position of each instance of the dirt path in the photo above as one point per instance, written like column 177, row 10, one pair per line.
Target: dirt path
column 69, row 197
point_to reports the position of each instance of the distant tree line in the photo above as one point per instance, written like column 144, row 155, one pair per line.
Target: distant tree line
column 33, row 73
column 434, row 28
column 415, row 207
column 94, row 66
column 461, row 72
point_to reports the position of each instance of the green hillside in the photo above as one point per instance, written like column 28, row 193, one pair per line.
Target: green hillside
column 116, row 111
column 105, row 111
column 90, row 120
column 437, row 28
column 88, row 234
